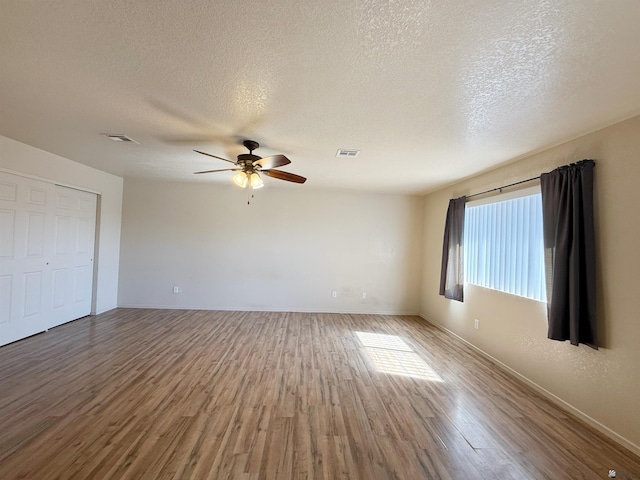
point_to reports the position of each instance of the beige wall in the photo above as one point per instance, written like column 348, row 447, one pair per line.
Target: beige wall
column 286, row 251
column 17, row 157
column 605, row 384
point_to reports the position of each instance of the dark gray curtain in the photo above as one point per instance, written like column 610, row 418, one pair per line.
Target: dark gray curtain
column 567, row 215
column 452, row 270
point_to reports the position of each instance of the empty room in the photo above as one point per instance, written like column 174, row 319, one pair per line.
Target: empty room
column 337, row 240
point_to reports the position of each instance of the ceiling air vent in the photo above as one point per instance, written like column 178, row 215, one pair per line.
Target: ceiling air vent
column 347, row 153
column 119, row 137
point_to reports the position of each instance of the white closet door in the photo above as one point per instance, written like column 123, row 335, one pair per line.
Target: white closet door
column 72, row 259
column 46, row 255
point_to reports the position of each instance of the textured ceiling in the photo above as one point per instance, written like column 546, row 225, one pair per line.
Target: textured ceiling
column 430, row 91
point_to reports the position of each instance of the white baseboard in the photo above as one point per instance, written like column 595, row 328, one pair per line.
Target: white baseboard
column 263, row 309
column 546, row 393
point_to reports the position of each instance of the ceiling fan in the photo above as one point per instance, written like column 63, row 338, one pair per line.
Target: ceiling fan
column 250, row 166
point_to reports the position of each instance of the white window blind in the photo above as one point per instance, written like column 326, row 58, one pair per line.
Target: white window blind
column 504, row 246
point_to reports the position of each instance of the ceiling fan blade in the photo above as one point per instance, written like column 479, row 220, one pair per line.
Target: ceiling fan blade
column 289, row 177
column 222, row 170
column 273, row 161
column 214, row 156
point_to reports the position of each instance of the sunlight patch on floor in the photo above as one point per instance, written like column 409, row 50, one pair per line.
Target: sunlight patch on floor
column 390, row 354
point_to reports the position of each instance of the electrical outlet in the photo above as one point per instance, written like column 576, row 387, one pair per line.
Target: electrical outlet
column 176, row 289
column 334, row 294
column 476, row 324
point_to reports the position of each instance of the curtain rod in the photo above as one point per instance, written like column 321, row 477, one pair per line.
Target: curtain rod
column 504, row 186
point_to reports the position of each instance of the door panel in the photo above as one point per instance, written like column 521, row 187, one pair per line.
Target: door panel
column 32, row 294
column 6, row 283
column 61, row 288
column 85, row 236
column 8, row 191
column 65, row 200
column 38, row 196
column 7, row 231
column 63, row 235
column 35, row 234
column 27, row 222
column 75, row 239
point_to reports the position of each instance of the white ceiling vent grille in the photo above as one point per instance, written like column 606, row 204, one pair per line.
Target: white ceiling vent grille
column 347, row 153
column 119, row 137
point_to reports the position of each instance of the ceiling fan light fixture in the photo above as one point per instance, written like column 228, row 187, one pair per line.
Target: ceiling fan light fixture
column 255, row 181
column 240, row 179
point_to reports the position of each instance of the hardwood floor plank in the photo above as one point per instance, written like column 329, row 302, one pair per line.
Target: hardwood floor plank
column 154, row 394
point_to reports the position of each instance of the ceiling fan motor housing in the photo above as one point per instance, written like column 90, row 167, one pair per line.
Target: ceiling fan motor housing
column 246, row 160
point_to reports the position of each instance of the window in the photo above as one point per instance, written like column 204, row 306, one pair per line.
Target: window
column 504, row 247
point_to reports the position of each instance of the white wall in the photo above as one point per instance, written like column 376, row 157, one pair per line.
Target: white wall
column 286, row 251
column 17, row 157
column 604, row 385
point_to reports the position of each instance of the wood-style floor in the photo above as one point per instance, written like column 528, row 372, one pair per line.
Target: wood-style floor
column 151, row 394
